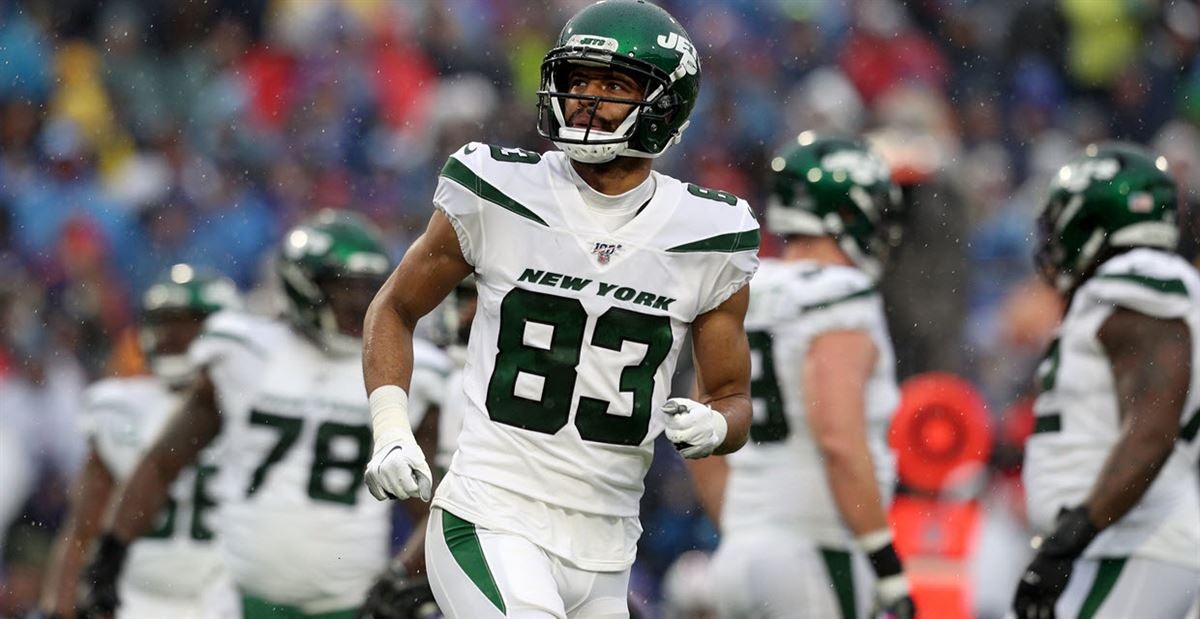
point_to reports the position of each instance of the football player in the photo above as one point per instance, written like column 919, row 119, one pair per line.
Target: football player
column 590, row 269
column 803, row 519
column 1110, row 470
column 286, row 396
column 175, row 569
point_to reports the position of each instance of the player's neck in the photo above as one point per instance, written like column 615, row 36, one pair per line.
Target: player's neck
column 614, row 177
column 822, row 249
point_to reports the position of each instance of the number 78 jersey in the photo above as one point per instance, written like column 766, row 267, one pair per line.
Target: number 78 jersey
column 578, row 328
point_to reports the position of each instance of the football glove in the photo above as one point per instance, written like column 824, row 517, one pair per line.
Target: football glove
column 695, row 429
column 398, row 470
column 1046, row 577
column 100, row 599
column 397, row 596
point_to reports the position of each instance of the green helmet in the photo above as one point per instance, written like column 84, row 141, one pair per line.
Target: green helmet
column 172, row 310
column 836, row 187
column 1111, row 197
column 637, row 38
column 331, row 246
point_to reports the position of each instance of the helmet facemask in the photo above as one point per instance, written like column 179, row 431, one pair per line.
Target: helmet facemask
column 592, row 144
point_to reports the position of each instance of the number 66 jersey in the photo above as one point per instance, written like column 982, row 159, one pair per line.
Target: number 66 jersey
column 301, row 528
column 574, row 341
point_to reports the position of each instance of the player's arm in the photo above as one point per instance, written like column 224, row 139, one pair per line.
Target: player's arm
column 720, row 422
column 427, row 273
column 710, row 476
column 835, row 375
column 89, row 501
column 143, row 497
column 836, row 370
column 1151, row 368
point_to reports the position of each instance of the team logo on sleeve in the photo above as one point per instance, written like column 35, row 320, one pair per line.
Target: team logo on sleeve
column 605, row 251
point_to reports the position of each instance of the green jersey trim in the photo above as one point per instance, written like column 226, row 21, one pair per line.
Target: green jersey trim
column 468, row 553
column 841, row 575
column 1191, row 428
column 458, row 172
column 1046, row 424
column 859, row 294
column 1166, row 286
column 1106, row 579
column 729, row 243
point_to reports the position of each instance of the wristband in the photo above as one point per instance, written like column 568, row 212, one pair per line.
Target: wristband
column 389, row 415
column 111, row 553
column 1073, row 532
column 881, row 553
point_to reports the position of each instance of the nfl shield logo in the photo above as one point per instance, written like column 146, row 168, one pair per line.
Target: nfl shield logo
column 604, row 251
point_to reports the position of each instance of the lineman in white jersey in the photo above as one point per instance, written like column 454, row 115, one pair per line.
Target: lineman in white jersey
column 1110, row 471
column 590, row 270
column 286, row 395
column 803, row 518
column 175, row 570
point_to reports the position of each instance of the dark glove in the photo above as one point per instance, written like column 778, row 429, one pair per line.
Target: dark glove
column 99, row 580
column 397, row 596
column 892, row 595
column 1047, row 575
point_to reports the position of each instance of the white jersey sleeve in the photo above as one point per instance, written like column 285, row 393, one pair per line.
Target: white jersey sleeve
column 1140, row 280
column 740, row 264
column 837, row 299
column 461, row 204
column 230, row 344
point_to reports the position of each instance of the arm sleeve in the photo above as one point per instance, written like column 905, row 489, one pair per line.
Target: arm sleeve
column 740, row 265
column 457, row 198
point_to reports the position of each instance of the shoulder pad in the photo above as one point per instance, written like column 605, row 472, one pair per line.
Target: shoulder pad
column 817, row 287
column 712, row 221
column 1148, row 281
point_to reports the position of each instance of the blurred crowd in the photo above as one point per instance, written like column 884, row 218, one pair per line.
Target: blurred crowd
column 135, row 135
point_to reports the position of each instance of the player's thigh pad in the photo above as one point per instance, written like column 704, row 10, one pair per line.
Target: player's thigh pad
column 1118, row 588
column 479, row 574
column 778, row 576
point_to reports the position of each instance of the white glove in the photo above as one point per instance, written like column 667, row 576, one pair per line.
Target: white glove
column 696, row 430
column 398, row 471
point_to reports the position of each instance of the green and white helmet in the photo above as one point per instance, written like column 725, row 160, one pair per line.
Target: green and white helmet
column 1113, row 196
column 637, row 38
column 837, row 187
column 184, row 291
column 330, row 245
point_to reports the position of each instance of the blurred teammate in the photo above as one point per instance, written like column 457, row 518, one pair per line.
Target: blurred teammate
column 804, row 530
column 1110, row 471
column 286, row 396
column 175, row 569
column 590, row 269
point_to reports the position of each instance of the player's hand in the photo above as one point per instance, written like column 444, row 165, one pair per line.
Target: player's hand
column 99, row 578
column 696, row 430
column 396, row 595
column 398, row 470
column 894, row 599
column 1047, row 575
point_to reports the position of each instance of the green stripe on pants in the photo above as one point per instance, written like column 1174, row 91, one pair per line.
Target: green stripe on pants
column 841, row 574
column 468, row 553
column 258, row 608
column 1106, row 579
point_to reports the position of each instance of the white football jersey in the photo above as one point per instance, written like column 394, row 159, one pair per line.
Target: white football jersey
column 178, row 557
column 575, row 340
column 299, row 526
column 1078, row 418
column 778, row 479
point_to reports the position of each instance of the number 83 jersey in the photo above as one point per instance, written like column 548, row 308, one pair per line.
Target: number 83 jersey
column 578, row 328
